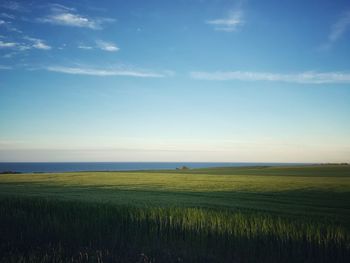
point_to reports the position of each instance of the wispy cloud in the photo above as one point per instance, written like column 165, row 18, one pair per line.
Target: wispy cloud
column 38, row 43
column 65, row 16
column 9, row 26
column 59, row 7
column 7, row 44
column 19, row 46
column 68, row 19
column 309, row 77
column 230, row 23
column 100, row 44
column 107, row 46
column 12, row 5
column 10, row 55
column 338, row 29
column 13, row 46
column 41, row 45
column 8, row 16
column 103, row 72
column 85, row 47
column 3, row 67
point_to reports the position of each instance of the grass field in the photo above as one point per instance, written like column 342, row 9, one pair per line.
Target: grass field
column 246, row 214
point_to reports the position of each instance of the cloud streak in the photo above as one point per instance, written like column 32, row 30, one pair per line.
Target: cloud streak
column 12, row 5
column 68, row 19
column 107, row 46
column 38, row 43
column 8, row 16
column 100, row 72
column 13, row 46
column 35, row 43
column 64, row 16
column 229, row 23
column 85, row 47
column 309, row 77
column 7, row 44
column 9, row 26
column 338, row 29
column 3, row 67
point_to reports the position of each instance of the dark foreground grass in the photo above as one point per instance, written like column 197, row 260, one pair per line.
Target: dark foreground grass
column 40, row 230
column 251, row 214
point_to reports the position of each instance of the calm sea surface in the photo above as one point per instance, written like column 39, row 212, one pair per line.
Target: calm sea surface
column 114, row 166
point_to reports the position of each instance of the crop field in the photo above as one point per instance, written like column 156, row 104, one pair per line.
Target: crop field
column 239, row 214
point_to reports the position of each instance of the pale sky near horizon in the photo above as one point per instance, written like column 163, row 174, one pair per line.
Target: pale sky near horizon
column 181, row 80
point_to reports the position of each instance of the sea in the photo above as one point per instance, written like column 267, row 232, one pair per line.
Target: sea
column 52, row 167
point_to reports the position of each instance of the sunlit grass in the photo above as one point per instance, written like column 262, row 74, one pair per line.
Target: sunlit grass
column 288, row 214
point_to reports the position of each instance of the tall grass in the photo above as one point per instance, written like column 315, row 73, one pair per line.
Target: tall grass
column 41, row 230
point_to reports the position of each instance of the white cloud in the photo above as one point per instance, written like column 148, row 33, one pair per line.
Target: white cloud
column 59, row 7
column 107, row 46
column 85, row 47
column 35, row 43
column 229, row 23
column 68, row 19
column 38, row 43
column 5, row 15
column 9, row 26
column 13, row 45
column 3, row 67
column 12, row 5
column 8, row 44
column 102, row 72
column 41, row 45
column 10, row 55
column 62, row 15
column 310, row 77
column 100, row 44
column 338, row 29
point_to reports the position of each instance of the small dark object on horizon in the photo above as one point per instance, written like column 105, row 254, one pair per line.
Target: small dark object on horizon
column 183, row 168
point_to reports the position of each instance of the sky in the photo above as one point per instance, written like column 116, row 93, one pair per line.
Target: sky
column 180, row 80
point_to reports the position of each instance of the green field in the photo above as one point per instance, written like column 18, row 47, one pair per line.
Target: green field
column 246, row 214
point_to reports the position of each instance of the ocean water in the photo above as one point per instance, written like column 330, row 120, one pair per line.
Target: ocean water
column 48, row 167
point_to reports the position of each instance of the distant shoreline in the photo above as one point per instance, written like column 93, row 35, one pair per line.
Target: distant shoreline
column 58, row 167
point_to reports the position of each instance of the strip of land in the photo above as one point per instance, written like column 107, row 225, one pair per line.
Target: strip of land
column 298, row 190
column 231, row 214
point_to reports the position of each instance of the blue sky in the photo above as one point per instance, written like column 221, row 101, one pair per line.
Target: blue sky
column 185, row 80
